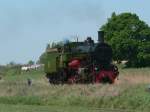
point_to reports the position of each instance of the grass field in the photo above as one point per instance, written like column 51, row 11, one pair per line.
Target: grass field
column 129, row 93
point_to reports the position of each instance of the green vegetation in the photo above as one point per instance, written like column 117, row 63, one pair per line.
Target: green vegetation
column 130, row 39
column 31, row 62
column 130, row 92
column 35, row 108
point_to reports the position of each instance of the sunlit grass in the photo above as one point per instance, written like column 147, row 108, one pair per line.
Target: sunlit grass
column 129, row 92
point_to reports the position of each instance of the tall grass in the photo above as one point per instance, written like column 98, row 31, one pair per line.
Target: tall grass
column 129, row 92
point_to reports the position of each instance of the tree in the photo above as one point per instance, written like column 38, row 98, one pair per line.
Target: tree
column 11, row 64
column 144, row 54
column 128, row 35
column 31, row 62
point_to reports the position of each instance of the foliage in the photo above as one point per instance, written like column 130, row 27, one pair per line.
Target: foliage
column 31, row 62
column 144, row 54
column 10, row 69
column 11, row 64
column 129, row 37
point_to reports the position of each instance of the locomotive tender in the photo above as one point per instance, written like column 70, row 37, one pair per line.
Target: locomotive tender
column 81, row 62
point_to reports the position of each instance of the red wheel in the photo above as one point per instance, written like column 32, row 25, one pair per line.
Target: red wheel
column 105, row 77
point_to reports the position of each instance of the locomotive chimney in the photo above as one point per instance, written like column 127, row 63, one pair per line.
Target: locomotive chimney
column 100, row 36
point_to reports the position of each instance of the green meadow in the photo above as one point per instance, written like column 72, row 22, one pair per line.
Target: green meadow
column 130, row 93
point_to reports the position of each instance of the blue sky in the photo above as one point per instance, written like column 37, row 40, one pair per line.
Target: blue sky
column 26, row 26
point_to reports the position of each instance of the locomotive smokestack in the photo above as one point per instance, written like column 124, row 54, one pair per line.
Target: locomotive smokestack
column 100, row 36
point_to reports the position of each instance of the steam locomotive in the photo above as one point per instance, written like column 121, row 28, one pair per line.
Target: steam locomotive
column 81, row 62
